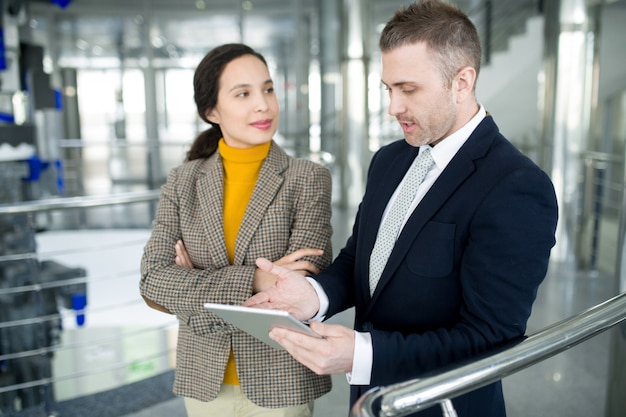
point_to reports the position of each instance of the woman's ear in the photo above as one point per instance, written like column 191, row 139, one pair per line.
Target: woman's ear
column 212, row 116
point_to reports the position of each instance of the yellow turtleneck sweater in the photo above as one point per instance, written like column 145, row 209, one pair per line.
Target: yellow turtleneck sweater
column 241, row 170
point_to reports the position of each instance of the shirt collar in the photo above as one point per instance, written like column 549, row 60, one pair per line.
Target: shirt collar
column 448, row 147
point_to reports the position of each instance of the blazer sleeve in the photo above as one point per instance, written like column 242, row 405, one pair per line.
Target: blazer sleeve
column 177, row 289
column 183, row 292
column 311, row 226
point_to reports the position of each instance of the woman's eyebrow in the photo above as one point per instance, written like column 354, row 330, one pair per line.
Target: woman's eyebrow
column 244, row 85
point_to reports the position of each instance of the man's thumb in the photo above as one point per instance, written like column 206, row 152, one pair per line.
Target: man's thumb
column 319, row 328
column 264, row 264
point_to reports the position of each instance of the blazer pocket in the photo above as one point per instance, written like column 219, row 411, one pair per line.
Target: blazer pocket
column 208, row 324
column 432, row 253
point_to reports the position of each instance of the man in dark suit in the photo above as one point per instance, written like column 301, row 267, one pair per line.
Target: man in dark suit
column 474, row 243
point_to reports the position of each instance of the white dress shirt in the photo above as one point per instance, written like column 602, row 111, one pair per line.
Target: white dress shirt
column 442, row 155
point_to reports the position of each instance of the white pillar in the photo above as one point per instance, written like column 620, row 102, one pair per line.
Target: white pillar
column 569, row 89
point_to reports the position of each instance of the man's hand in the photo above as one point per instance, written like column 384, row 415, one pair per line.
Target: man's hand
column 294, row 262
column 331, row 355
column 291, row 292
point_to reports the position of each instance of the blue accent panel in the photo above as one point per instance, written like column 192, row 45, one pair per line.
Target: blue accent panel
column 79, row 301
column 36, row 167
column 61, row 3
column 60, row 181
column 3, row 58
column 7, row 118
column 58, row 99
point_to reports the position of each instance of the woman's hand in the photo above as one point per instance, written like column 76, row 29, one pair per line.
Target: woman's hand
column 263, row 280
column 293, row 261
column 182, row 258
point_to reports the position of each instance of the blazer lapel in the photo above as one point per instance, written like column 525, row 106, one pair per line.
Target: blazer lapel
column 267, row 186
column 210, row 189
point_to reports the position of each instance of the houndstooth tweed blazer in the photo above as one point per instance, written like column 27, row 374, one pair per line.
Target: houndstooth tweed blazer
column 290, row 208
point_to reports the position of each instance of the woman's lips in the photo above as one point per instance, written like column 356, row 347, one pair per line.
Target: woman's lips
column 262, row 124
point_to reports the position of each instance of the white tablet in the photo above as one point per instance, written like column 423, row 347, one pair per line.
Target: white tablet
column 259, row 321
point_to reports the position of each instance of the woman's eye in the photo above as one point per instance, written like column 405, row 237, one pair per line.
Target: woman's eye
column 243, row 94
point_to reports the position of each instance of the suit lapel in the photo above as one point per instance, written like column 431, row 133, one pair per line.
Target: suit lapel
column 210, row 189
column 460, row 167
column 267, row 186
column 382, row 188
column 456, row 172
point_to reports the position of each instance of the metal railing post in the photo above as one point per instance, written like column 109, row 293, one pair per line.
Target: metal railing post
column 448, row 408
column 414, row 395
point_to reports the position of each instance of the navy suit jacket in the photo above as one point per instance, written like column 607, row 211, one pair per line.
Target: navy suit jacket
column 464, row 272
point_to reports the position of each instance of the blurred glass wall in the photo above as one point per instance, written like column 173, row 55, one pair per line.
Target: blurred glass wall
column 132, row 63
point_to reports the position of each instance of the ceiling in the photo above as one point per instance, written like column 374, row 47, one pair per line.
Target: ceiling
column 180, row 29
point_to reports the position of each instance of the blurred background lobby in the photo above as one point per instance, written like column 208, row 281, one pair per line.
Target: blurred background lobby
column 96, row 107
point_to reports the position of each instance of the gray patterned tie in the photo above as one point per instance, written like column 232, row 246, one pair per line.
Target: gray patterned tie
column 390, row 229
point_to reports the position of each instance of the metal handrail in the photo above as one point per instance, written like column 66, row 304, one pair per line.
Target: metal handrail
column 104, row 339
column 408, row 397
column 79, row 202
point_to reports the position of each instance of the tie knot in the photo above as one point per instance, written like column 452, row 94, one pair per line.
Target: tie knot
column 422, row 163
column 425, row 157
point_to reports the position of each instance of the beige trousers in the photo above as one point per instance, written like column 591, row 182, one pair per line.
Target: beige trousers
column 231, row 402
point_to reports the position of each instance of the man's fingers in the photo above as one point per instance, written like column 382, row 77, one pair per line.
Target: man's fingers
column 332, row 354
column 291, row 292
column 330, row 330
column 305, row 349
column 267, row 266
column 293, row 342
column 320, row 328
column 256, row 300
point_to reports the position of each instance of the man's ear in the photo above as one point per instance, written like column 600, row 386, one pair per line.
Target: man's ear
column 464, row 82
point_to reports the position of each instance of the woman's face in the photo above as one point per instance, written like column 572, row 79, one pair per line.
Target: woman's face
column 247, row 108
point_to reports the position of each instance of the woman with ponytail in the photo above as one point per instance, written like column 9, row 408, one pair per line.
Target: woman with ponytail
column 237, row 197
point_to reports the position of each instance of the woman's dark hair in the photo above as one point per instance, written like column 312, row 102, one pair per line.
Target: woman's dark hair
column 206, row 85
